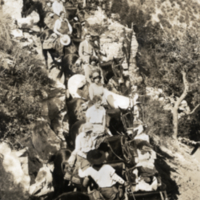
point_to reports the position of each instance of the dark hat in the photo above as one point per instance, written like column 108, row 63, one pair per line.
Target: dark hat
column 96, row 157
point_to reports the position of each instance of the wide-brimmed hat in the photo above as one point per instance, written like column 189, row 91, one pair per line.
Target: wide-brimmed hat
column 82, row 83
column 65, row 40
column 88, row 127
column 96, row 157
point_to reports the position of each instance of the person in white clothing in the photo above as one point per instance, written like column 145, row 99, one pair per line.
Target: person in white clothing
column 96, row 115
column 84, row 143
column 103, row 174
column 58, row 7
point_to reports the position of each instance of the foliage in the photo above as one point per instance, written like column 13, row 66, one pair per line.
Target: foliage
column 22, row 80
column 168, row 35
column 157, row 120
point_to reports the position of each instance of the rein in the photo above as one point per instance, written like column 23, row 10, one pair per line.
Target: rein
column 128, row 155
column 113, row 151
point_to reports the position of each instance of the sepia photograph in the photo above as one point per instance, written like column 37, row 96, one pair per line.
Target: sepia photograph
column 99, row 99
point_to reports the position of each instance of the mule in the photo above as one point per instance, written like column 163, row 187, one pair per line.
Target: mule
column 29, row 6
column 59, row 160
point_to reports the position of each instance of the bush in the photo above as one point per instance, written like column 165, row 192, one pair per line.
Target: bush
column 22, row 78
column 157, row 120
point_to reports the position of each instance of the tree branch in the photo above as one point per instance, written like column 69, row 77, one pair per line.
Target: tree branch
column 194, row 110
column 185, row 92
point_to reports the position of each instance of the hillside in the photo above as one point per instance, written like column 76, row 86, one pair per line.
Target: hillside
column 158, row 24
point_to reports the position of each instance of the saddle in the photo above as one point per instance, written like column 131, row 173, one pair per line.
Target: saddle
column 96, row 195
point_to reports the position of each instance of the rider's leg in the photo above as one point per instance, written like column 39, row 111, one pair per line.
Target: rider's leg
column 59, row 48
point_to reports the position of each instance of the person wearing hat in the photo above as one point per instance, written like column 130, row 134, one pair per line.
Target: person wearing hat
column 63, row 29
column 83, row 144
column 96, row 115
column 103, row 174
column 96, row 88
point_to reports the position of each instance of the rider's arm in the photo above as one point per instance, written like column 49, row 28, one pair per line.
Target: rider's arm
column 72, row 158
column 56, row 27
column 118, row 179
column 80, row 50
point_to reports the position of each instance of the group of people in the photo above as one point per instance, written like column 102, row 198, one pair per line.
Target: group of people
column 86, row 160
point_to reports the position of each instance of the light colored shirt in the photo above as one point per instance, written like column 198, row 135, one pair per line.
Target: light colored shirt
column 104, row 177
column 83, row 145
column 58, row 7
column 96, row 116
column 95, row 90
column 85, row 51
column 57, row 26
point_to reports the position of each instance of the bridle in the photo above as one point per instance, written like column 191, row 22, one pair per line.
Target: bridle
column 126, row 150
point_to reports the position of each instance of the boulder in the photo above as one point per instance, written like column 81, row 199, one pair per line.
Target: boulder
column 12, row 165
column 44, row 140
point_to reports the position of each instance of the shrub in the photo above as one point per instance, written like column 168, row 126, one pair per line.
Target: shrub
column 22, row 78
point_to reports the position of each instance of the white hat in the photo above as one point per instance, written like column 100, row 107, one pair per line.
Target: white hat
column 82, row 83
column 65, row 40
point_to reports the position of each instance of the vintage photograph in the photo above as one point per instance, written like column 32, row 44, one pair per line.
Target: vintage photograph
column 99, row 99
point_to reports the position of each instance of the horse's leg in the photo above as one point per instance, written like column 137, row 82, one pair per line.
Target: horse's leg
column 45, row 54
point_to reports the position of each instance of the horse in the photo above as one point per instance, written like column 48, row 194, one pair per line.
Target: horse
column 119, row 147
column 73, row 196
column 59, row 160
column 30, row 6
column 66, row 64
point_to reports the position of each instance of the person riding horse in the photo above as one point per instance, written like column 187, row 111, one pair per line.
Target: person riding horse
column 86, row 50
column 96, row 88
column 83, row 144
column 96, row 115
column 104, row 175
column 62, row 28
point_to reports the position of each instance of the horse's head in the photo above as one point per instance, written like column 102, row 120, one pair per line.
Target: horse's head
column 26, row 6
column 117, row 66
